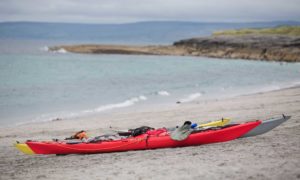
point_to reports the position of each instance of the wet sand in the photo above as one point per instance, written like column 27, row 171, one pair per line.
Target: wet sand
column 274, row 155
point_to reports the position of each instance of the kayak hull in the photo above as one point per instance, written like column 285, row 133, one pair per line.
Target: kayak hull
column 206, row 137
column 143, row 142
column 266, row 126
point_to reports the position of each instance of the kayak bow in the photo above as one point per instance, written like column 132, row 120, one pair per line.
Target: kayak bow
column 266, row 126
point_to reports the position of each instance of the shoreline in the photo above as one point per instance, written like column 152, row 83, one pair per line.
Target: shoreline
column 251, row 47
column 144, row 107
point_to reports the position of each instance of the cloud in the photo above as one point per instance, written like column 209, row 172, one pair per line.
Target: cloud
column 118, row 11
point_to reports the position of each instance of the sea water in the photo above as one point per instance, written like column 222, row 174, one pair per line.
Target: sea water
column 38, row 85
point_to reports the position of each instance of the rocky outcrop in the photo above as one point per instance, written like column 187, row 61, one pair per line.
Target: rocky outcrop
column 254, row 47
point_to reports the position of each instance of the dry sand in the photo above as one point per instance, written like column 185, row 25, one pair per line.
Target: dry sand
column 274, row 155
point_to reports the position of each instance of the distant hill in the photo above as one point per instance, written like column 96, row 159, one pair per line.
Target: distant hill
column 130, row 33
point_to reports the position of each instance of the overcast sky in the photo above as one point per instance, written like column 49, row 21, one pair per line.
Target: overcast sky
column 122, row 11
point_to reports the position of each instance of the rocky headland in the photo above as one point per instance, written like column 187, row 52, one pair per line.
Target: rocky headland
column 257, row 46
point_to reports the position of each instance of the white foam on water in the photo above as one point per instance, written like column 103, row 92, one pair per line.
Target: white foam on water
column 126, row 103
column 67, row 115
column 191, row 97
column 163, row 93
column 61, row 51
column 143, row 97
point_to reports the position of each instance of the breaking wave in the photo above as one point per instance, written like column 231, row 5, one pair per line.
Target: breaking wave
column 61, row 50
column 163, row 93
column 67, row 115
column 126, row 103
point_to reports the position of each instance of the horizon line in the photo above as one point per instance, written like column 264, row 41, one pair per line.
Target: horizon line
column 155, row 21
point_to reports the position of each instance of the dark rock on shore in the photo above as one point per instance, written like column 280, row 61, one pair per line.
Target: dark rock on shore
column 257, row 47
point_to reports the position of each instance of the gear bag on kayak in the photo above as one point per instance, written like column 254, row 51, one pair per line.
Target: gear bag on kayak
column 78, row 135
column 140, row 130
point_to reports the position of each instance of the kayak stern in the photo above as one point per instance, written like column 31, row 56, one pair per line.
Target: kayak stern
column 24, row 148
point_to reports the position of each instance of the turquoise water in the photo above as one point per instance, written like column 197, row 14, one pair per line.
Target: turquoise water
column 36, row 85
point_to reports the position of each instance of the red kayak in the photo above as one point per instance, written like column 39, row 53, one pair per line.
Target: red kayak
column 144, row 141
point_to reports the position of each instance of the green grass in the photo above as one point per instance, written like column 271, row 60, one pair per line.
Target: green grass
column 281, row 30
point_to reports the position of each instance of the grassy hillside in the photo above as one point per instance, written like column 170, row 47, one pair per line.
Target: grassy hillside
column 280, row 30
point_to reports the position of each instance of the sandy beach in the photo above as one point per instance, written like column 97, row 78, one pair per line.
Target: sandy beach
column 275, row 155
